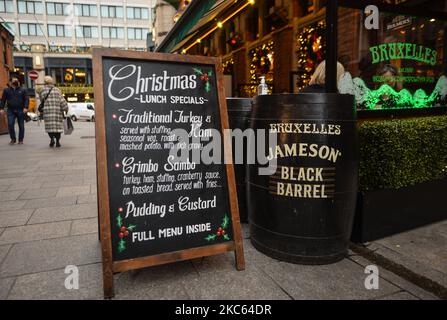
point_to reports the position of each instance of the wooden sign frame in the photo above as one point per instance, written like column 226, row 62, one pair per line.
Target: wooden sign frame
column 109, row 266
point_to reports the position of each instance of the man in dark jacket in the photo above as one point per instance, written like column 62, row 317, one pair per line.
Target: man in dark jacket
column 15, row 98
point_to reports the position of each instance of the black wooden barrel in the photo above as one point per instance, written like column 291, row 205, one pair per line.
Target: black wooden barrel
column 239, row 111
column 303, row 213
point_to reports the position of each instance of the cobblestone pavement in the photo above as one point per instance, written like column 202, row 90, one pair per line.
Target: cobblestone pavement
column 48, row 220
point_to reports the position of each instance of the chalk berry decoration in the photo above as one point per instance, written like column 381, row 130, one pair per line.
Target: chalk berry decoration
column 221, row 232
column 123, row 233
column 205, row 78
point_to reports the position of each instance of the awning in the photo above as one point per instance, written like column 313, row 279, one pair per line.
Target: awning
column 193, row 13
column 192, row 22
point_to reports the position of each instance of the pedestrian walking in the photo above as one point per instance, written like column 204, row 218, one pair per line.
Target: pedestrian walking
column 15, row 99
column 54, row 106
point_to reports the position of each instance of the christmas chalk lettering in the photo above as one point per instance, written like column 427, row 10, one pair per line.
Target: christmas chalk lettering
column 153, row 208
column 176, row 190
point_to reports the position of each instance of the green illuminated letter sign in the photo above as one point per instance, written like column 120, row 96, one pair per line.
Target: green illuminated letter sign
column 400, row 50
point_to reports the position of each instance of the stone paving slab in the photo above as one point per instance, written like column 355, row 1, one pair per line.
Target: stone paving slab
column 12, row 205
column 399, row 296
column 5, row 287
column 15, row 217
column 35, row 232
column 73, row 191
column 90, row 198
column 51, row 285
column 422, row 250
column 165, row 291
column 50, row 202
column 19, row 186
column 234, row 285
column 78, row 211
column 10, row 195
column 44, row 255
column 403, row 284
column 340, row 280
column 4, row 251
column 84, row 226
column 41, row 193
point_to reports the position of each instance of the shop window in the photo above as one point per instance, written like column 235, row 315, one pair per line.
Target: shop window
column 79, row 76
column 402, row 65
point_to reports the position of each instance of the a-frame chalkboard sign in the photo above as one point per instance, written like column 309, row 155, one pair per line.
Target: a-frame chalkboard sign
column 154, row 210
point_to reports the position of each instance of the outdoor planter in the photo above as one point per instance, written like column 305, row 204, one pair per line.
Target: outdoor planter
column 402, row 173
column 386, row 212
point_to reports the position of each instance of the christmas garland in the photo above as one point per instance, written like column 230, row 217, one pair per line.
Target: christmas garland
column 261, row 58
column 311, row 51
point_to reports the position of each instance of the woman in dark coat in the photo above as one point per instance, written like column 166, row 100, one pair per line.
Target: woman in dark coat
column 53, row 111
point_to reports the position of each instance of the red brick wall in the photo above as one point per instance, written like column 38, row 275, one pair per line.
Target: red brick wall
column 5, row 66
column 349, row 37
column 282, row 64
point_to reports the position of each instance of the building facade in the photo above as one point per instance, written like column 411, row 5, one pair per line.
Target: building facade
column 284, row 40
column 56, row 37
column 6, row 58
column 6, row 67
column 163, row 19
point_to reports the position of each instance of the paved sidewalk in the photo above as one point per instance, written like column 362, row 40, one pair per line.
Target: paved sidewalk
column 48, row 221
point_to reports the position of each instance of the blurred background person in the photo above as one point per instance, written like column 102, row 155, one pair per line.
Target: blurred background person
column 318, row 79
column 16, row 100
column 53, row 111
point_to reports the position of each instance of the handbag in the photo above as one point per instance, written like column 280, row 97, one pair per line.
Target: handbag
column 68, row 126
column 42, row 103
column 27, row 118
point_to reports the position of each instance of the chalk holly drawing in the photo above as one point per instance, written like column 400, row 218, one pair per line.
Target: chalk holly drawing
column 221, row 231
column 123, row 233
column 205, row 77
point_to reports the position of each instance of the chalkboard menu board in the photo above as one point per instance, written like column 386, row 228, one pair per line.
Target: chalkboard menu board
column 153, row 207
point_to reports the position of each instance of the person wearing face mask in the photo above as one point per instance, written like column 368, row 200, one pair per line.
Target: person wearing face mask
column 16, row 100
